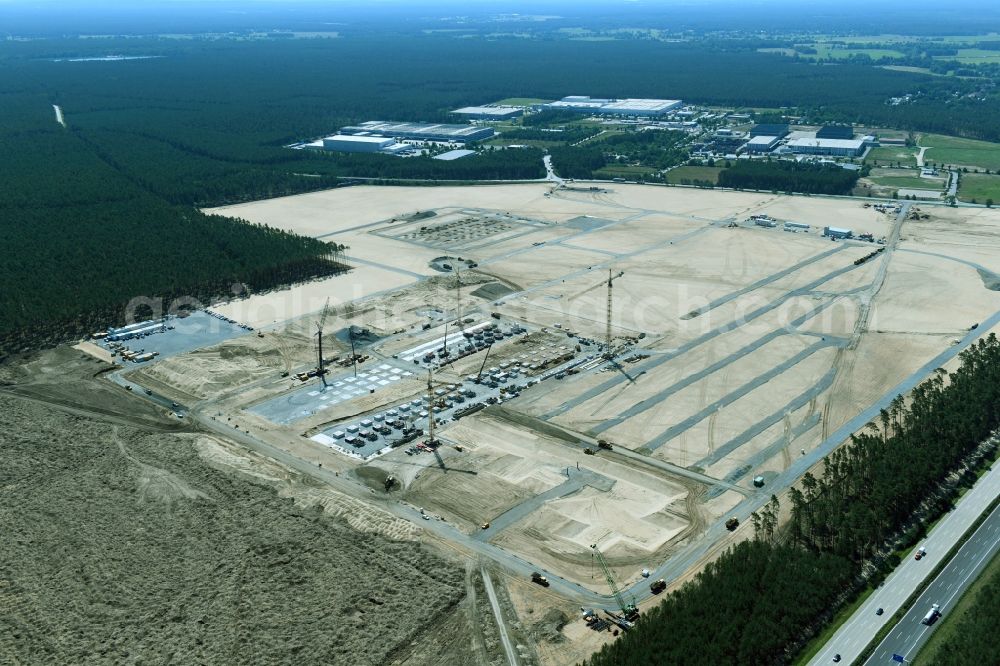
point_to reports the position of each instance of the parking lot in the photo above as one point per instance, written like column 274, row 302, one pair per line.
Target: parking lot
column 179, row 335
column 379, row 432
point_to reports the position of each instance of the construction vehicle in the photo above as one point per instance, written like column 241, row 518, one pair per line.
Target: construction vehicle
column 732, row 524
column 629, row 611
column 604, row 444
column 539, row 579
column 657, row 586
column 320, row 368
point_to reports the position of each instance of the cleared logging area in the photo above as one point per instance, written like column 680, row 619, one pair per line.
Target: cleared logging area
column 121, row 545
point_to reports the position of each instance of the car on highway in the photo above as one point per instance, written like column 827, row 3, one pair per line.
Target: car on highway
column 879, row 611
column 920, row 553
column 836, row 657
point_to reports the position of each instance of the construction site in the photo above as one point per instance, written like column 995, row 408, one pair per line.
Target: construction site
column 589, row 388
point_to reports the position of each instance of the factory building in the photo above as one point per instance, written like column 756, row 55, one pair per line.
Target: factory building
column 761, row 144
column 343, row 143
column 769, row 129
column 835, row 132
column 834, row 147
column 419, row 131
column 836, row 232
column 489, row 112
column 613, row 107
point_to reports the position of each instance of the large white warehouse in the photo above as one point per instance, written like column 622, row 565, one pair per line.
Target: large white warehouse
column 344, row 143
column 614, row 107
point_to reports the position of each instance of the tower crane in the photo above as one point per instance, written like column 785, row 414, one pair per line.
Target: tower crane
column 629, row 611
column 320, row 369
column 607, row 332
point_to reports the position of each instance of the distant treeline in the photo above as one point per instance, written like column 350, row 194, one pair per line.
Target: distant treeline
column 761, row 600
column 785, row 176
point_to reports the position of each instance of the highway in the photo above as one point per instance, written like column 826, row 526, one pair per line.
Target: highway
column 910, row 634
column 855, row 634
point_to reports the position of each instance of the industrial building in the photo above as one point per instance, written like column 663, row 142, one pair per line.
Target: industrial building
column 835, row 147
column 613, row 107
column 454, row 155
column 137, row 330
column 836, row 232
column 489, row 112
column 835, row 132
column 769, row 129
column 419, row 131
column 343, row 143
column 761, row 144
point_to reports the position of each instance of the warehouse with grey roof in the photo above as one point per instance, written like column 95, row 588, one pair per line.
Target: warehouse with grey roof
column 420, row 131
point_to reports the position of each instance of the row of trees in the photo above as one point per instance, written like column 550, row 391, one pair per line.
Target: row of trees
column 759, row 601
column 787, row 176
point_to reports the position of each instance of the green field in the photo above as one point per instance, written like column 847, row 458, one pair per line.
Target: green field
column 824, row 51
column 693, row 173
column 907, row 181
column 974, row 56
column 979, row 187
column 623, row 171
column 961, row 152
column 905, row 155
column 951, row 622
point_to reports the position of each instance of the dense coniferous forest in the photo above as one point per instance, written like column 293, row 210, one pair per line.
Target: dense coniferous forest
column 789, row 177
column 756, row 603
column 202, row 122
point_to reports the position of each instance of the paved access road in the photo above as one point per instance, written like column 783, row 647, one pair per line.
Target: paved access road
column 910, row 634
column 861, row 628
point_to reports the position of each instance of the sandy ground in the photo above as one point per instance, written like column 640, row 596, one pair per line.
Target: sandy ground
column 721, row 300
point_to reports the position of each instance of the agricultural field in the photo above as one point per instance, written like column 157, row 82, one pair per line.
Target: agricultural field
column 685, row 175
column 961, row 152
column 979, row 188
column 884, row 155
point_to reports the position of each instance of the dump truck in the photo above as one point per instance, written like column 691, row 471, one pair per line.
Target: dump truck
column 732, row 524
column 539, row 579
column 657, row 586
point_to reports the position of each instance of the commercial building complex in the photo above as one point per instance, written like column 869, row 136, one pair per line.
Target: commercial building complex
column 613, row 107
column 761, row 144
column 489, row 112
column 835, row 147
column 419, row 131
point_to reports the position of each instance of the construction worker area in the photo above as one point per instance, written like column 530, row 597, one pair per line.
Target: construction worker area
column 591, row 386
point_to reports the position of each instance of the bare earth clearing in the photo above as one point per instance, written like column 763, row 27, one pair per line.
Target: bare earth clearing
column 738, row 351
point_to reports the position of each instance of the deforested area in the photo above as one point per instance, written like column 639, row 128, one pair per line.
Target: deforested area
column 121, row 545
